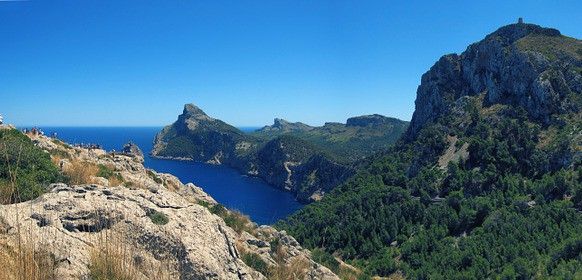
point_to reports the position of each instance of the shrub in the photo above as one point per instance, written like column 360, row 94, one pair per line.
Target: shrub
column 203, row 203
column 154, row 177
column 158, row 218
column 25, row 170
column 324, row 258
column 255, row 262
column 115, row 179
column 233, row 219
column 296, row 269
column 105, row 171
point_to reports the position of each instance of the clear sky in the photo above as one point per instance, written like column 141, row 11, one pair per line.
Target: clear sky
column 135, row 63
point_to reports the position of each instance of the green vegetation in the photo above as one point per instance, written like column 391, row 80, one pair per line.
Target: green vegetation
column 203, row 203
column 510, row 210
column 157, row 217
column 25, row 170
column 551, row 46
column 345, row 143
column 154, row 177
column 109, row 173
column 233, row 219
column 255, row 262
column 324, row 258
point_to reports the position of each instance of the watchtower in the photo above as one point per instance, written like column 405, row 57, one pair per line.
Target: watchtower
column 520, row 20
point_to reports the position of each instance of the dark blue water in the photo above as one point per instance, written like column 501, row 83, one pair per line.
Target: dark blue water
column 252, row 196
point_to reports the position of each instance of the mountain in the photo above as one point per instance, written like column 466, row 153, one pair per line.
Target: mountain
column 308, row 161
column 76, row 213
column 358, row 138
column 486, row 183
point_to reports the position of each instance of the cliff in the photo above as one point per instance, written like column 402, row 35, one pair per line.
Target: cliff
column 522, row 65
column 308, row 161
column 145, row 224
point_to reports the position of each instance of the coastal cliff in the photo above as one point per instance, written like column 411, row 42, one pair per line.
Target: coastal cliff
column 308, row 161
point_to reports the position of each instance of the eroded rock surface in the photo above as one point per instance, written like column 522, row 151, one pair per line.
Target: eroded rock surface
column 161, row 224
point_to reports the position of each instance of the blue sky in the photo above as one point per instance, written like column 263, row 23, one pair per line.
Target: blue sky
column 135, row 63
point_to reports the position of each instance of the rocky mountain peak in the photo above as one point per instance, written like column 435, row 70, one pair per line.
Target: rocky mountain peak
column 192, row 116
column 522, row 65
column 193, row 110
column 284, row 125
column 513, row 32
column 280, row 122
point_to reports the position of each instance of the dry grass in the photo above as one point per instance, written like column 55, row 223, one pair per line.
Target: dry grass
column 6, row 192
column 80, row 172
column 296, row 269
column 112, row 258
column 26, row 262
column 115, row 257
column 115, row 181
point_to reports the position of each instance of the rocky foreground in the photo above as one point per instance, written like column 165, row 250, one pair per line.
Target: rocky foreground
column 165, row 229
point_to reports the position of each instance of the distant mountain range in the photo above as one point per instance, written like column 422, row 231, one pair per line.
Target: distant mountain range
column 303, row 159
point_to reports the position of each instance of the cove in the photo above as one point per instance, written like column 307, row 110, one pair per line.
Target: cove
column 249, row 195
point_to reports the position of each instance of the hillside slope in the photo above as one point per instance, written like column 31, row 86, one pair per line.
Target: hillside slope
column 308, row 161
column 487, row 181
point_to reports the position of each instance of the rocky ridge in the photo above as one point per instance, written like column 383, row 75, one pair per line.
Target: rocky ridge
column 193, row 243
column 520, row 64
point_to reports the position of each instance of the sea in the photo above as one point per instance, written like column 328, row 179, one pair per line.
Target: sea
column 263, row 203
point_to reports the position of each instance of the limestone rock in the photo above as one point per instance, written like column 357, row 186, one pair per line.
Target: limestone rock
column 510, row 66
column 196, row 241
column 132, row 150
column 71, row 222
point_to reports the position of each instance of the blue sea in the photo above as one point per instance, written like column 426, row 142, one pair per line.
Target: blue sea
column 250, row 195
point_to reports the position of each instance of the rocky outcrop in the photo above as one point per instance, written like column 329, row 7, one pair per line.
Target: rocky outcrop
column 523, row 65
column 70, row 220
column 132, row 150
column 160, row 225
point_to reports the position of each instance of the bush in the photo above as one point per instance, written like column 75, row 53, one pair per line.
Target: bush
column 154, row 177
column 115, row 179
column 255, row 262
column 105, row 171
column 203, row 203
column 25, row 170
column 233, row 219
column 158, row 218
column 322, row 257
